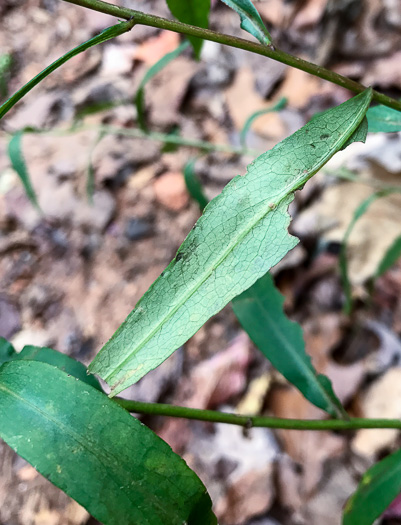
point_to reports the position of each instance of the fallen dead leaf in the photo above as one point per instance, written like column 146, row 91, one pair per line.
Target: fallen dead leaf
column 242, row 89
column 170, row 191
column 250, row 495
column 381, row 400
column 155, row 48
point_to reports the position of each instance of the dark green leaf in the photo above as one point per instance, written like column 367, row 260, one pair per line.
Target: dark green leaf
column 151, row 72
column 250, row 20
column 7, row 351
column 193, row 12
column 18, row 163
column 242, row 233
column 260, row 312
column 91, row 448
column 194, row 186
column 382, row 118
column 390, row 257
column 61, row 361
column 379, row 486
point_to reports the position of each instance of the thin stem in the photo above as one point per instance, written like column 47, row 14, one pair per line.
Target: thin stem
column 165, row 138
column 253, row 47
column 160, row 409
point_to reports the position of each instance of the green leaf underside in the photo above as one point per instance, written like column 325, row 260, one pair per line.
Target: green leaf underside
column 19, row 165
column 390, row 257
column 250, row 19
column 240, row 236
column 382, row 118
column 260, row 312
column 105, row 459
column 193, row 12
column 107, row 34
column 379, row 486
column 151, row 72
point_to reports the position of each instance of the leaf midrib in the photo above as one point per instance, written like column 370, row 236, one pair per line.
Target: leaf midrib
column 97, row 455
column 296, row 185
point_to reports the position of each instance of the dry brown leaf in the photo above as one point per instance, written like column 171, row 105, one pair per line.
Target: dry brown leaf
column 298, row 87
column 243, row 100
column 155, row 48
column 382, row 400
column 250, row 495
column 170, row 191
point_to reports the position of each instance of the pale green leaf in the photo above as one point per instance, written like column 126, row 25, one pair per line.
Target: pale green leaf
column 379, row 486
column 240, row 236
column 382, row 118
column 250, row 20
column 91, row 448
column 193, row 12
column 261, row 314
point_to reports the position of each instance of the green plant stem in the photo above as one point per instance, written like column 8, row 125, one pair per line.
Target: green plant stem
column 253, row 47
column 139, row 134
column 161, row 409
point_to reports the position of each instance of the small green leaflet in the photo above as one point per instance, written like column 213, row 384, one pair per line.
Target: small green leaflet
column 250, row 20
column 359, row 212
column 276, row 107
column 240, row 236
column 91, row 448
column 382, row 118
column 18, row 163
column 193, row 184
column 260, row 312
column 390, row 258
column 107, row 34
column 379, row 486
column 151, row 72
column 193, row 12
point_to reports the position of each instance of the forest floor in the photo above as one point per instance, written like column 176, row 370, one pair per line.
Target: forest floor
column 71, row 275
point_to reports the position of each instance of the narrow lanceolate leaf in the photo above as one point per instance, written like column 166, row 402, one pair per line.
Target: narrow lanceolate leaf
column 240, row 236
column 390, row 258
column 193, row 185
column 18, row 163
column 91, row 448
column 151, row 72
column 379, row 486
column 382, row 118
column 107, row 34
column 260, row 312
column 250, row 20
column 193, row 12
